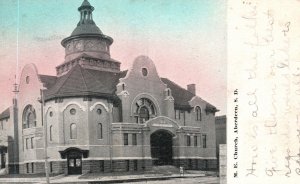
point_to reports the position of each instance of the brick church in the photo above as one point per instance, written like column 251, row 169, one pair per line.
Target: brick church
column 97, row 118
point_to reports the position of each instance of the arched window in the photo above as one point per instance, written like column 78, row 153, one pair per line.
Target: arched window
column 29, row 117
column 73, row 131
column 50, row 132
column 144, row 110
column 198, row 114
column 99, row 131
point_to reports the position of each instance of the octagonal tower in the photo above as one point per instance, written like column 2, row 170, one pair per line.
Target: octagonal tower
column 87, row 45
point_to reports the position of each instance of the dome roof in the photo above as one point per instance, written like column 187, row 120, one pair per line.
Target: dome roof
column 86, row 28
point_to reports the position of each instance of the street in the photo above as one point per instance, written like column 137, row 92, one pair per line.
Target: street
column 201, row 180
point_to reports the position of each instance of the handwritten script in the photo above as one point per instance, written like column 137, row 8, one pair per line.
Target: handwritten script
column 264, row 65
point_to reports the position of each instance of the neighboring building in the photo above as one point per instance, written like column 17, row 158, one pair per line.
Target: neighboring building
column 8, row 136
column 220, row 132
column 101, row 119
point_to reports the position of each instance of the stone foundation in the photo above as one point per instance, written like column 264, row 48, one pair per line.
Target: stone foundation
column 104, row 166
column 196, row 164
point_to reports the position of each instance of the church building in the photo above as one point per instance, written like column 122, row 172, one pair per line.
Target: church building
column 97, row 118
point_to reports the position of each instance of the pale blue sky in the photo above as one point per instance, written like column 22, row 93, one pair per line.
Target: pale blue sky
column 185, row 38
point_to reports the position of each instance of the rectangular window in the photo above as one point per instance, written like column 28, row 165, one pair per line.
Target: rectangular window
column 134, row 139
column 204, row 141
column 136, row 119
column 27, row 143
column 31, row 142
column 32, row 167
column 190, row 163
column 27, row 167
column 101, row 165
column 87, row 99
column 100, row 131
column 183, row 115
column 188, row 140
column 127, row 165
column 206, row 164
column 1, row 125
column 50, row 132
column 177, row 114
column 51, row 167
column 195, row 141
column 126, row 139
column 135, row 165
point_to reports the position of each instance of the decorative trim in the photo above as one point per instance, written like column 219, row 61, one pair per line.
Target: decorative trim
column 194, row 109
column 99, row 103
column 145, row 95
column 170, row 98
column 124, row 93
column 73, row 103
column 64, row 153
column 153, row 119
column 195, row 98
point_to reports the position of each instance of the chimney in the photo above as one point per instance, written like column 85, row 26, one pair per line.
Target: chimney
column 192, row 88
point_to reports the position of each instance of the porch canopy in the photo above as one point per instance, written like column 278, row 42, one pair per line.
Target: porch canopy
column 74, row 151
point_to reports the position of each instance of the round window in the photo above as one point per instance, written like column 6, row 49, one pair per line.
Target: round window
column 144, row 71
column 72, row 111
column 27, row 80
column 99, row 111
column 51, row 114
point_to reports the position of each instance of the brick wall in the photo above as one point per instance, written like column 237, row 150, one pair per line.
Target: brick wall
column 196, row 164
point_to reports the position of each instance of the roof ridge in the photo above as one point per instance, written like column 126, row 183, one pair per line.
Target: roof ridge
column 67, row 77
column 47, row 75
column 83, row 79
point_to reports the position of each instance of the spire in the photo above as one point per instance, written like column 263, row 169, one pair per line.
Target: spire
column 85, row 3
column 86, row 15
column 86, row 25
column 86, row 38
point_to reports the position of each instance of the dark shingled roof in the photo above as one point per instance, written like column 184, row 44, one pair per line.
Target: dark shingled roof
column 5, row 114
column 83, row 82
column 48, row 80
column 90, row 28
column 181, row 96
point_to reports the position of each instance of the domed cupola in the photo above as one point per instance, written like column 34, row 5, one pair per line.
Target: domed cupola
column 88, row 41
column 86, row 25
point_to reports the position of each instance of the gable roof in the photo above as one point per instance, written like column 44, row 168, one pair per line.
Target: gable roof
column 5, row 114
column 181, row 96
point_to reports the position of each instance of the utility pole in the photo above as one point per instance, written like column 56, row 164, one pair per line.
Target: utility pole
column 44, row 123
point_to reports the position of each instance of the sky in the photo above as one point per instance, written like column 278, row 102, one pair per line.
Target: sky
column 186, row 39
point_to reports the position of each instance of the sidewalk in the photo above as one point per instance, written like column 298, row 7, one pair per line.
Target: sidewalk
column 101, row 179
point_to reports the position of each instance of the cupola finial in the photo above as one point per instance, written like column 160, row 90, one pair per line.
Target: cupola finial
column 86, row 16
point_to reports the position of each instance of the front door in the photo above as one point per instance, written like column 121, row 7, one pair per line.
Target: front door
column 2, row 160
column 74, row 162
column 161, row 147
